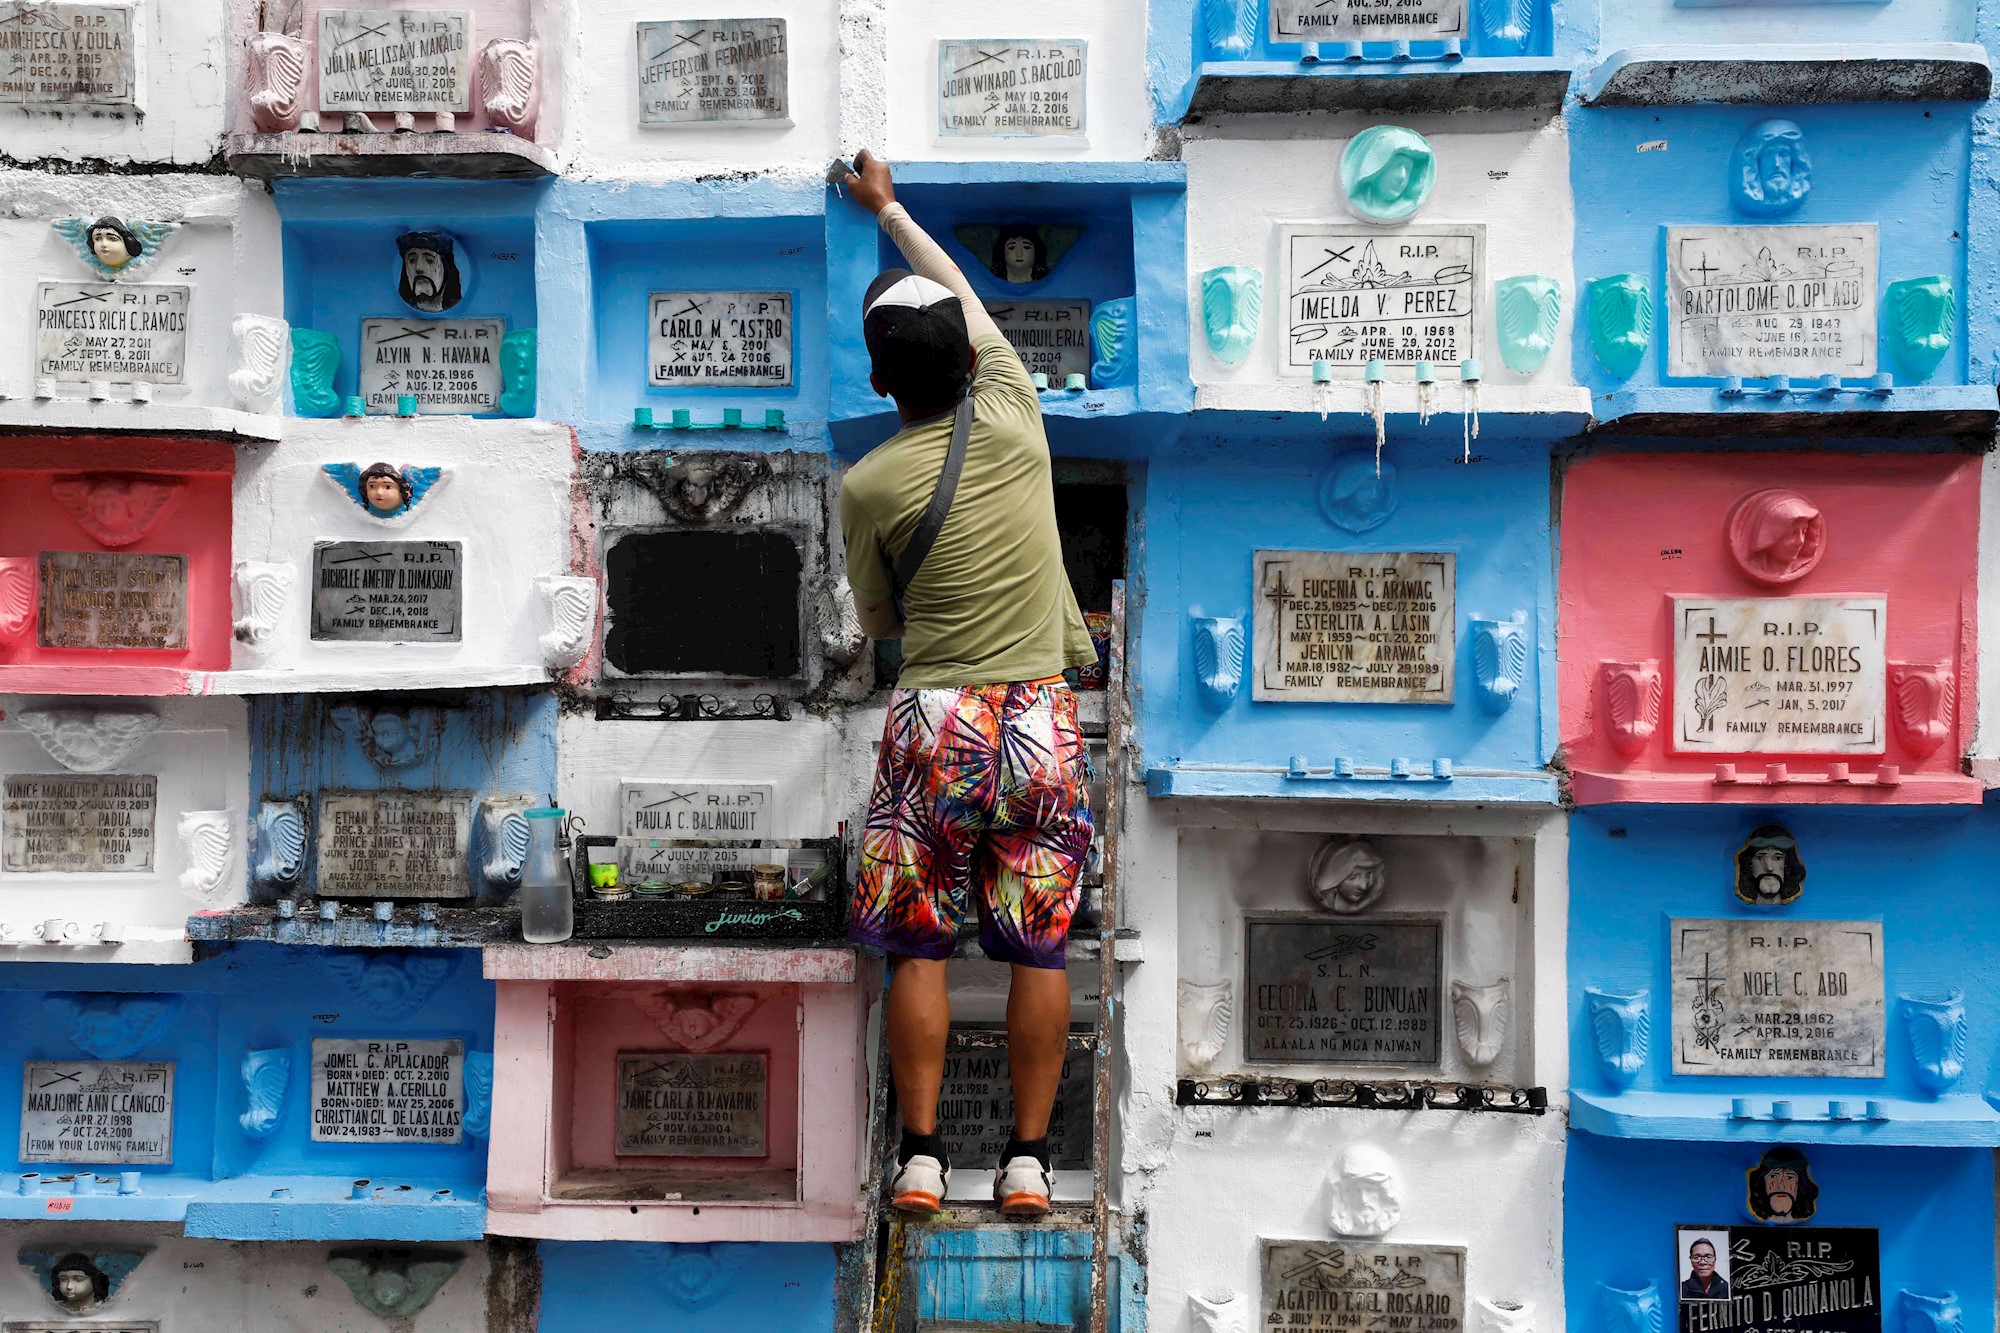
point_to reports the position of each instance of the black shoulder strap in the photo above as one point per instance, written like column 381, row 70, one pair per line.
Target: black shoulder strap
column 927, row 531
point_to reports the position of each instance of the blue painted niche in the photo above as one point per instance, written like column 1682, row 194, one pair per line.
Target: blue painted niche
column 722, row 1287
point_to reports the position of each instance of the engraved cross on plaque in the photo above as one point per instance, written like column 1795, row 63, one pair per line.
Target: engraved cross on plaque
column 1704, row 268
column 1712, row 634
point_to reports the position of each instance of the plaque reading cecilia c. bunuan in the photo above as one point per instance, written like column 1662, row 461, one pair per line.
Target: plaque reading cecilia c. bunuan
column 395, row 60
column 714, row 72
column 1373, row 627
column 1758, row 301
column 79, row 823
column 1005, row 88
column 975, row 1115
column 1347, row 991
column 1366, row 20
column 128, row 333
column 673, row 1105
column 113, row 599
column 394, row 844
column 1350, row 1286
column 450, row 366
column 1783, row 1279
column 1780, row 675
column 1052, row 337
column 1776, row 998
column 67, row 55
column 388, row 592
column 78, row 1112
column 387, row 1091
column 737, row 339
column 1355, row 294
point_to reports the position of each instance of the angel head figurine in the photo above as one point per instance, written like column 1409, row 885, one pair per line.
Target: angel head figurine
column 1346, row 876
column 113, row 242
column 384, row 489
column 430, row 280
column 112, row 247
column 1020, row 256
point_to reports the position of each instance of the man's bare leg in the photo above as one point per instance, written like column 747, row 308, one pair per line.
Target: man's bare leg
column 1037, row 1032
column 918, row 1020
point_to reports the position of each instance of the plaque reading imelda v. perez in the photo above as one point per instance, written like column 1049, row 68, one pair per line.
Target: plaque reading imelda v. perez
column 1350, row 1286
column 394, row 844
column 1759, row 301
column 1355, row 294
column 78, row 823
column 1778, row 997
column 1346, row 991
column 387, row 1091
column 734, row 339
column 672, row 1105
column 1780, row 675
column 1355, row 627
column 81, row 1112
column 114, row 599
column 388, row 592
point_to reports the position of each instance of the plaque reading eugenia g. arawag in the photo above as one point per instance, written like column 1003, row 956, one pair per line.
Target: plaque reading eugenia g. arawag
column 1355, row 627
column 976, row 1103
column 117, row 1112
column 1355, row 294
column 387, row 1091
column 674, row 1105
column 1776, row 998
column 394, row 844
column 114, row 599
column 1349, row 1286
column 1347, row 991
column 1778, row 1279
column 388, row 592
column 79, row 823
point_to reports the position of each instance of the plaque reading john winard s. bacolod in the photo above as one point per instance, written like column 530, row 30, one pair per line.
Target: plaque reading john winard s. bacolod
column 1778, row 997
column 388, row 592
column 126, row 332
column 1780, row 675
column 1759, row 301
column 387, row 1091
column 1350, row 1286
column 714, row 72
column 1373, row 627
column 672, row 1105
column 737, row 340
column 118, row 1112
column 394, row 844
column 114, row 599
column 1350, row 991
column 79, row 823
column 1366, row 20
column 1355, row 294
column 1002, row 89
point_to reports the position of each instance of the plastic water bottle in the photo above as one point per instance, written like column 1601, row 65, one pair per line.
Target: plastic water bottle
column 548, row 913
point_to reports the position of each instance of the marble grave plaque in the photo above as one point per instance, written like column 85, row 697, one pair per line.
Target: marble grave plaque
column 124, row 332
column 113, row 599
column 1759, row 301
column 87, row 1113
column 714, row 72
column 388, row 592
column 1366, row 20
column 1780, row 675
column 81, row 1326
column 79, row 823
column 1374, row 627
column 1784, row 1279
column 1343, row 990
column 394, row 844
column 387, row 1091
column 451, row 366
column 1003, row 88
column 395, row 60
column 678, row 1105
column 1355, row 294
column 1359, row 1286
column 976, row 1103
column 57, row 55
column 1778, row 997
column 659, row 811
column 1052, row 337
column 735, row 339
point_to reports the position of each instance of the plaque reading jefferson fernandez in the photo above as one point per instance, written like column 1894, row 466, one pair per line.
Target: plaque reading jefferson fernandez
column 1350, row 991
column 1779, row 997
column 1346, row 1286
column 1344, row 627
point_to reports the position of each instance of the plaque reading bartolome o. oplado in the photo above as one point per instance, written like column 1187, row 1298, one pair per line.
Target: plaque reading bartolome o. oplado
column 1346, row 991
column 117, row 1112
column 1355, row 627
column 1777, row 998
column 1349, row 1286
column 675, row 1105
column 1758, row 301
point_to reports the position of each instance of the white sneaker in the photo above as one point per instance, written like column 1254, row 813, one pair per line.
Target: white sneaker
column 1022, row 1188
column 919, row 1186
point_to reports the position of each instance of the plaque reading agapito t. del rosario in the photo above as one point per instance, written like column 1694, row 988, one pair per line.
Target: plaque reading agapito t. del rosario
column 1355, row 627
column 1779, row 997
column 1759, row 301
column 1780, row 675
column 1349, row 1286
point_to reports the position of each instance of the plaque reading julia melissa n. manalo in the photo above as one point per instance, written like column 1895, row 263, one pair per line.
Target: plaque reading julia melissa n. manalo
column 1778, row 1279
column 1343, row 991
column 1052, row 337
column 1371, row 627
column 79, row 823
column 1355, row 294
column 676, row 1105
column 1777, row 998
column 737, row 340
column 1360, row 1286
column 1011, row 88
column 450, row 366
column 975, row 1114
column 1780, row 675
column 113, row 599
column 1760, row 301
column 83, row 1112
column 1366, row 20
column 64, row 55
column 388, row 592
column 394, row 844
column 714, row 72
column 392, row 1090
column 395, row 60
column 123, row 332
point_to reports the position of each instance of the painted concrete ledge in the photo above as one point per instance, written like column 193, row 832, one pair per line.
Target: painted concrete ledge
column 413, row 675
column 477, row 155
column 1261, row 87
column 154, row 947
column 612, row 960
column 1505, row 410
column 310, row 1207
column 1793, row 73
column 1967, row 412
column 692, row 1223
column 1804, row 784
column 357, row 928
column 1464, row 787
column 1949, row 1122
column 79, row 416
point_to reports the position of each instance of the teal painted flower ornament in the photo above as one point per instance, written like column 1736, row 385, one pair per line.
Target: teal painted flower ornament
column 1387, row 173
column 1114, row 336
column 113, row 248
column 1621, row 321
column 1922, row 315
column 518, row 372
column 1529, row 309
column 315, row 361
column 1232, row 303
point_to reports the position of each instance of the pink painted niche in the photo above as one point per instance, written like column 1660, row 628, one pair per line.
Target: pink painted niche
column 114, row 563
column 1793, row 627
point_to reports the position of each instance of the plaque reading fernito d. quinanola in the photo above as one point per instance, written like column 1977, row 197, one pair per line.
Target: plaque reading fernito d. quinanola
column 1355, row 627
column 1352, row 991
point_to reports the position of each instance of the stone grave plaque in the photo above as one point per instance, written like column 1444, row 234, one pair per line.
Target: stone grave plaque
column 387, row 592
column 395, row 60
column 1343, row 990
column 1006, row 88
column 81, row 1326
column 1371, row 627
column 676, row 1105
column 1359, row 1286
column 1758, row 301
column 976, row 1101
column 735, row 339
column 67, row 55
column 394, row 844
column 79, row 823
column 1355, row 294
column 1783, row 1279
column 451, row 366
column 1052, row 337
column 113, row 599
column 387, row 1091
column 714, row 72
column 1366, row 20
column 80, row 1112
column 126, row 332
column 696, row 809
column 1781, row 997
column 1780, row 675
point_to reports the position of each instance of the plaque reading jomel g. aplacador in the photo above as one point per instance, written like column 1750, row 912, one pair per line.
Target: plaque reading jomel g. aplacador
column 1760, row 301
column 1780, row 675
column 115, row 1112
column 1777, row 998
column 1360, row 1286
column 391, row 1090
column 675, row 1105
column 1375, row 627
column 1349, row 990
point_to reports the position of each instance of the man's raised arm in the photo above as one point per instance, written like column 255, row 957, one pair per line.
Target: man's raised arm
column 873, row 190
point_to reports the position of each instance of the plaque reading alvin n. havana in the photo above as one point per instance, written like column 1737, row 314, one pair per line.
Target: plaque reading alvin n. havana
column 1780, row 675
column 976, row 1103
column 450, row 366
column 714, row 72
column 387, row 1091
column 1374, row 627
column 673, row 1105
column 1052, row 337
column 394, row 844
column 737, row 339
column 1002, row 88
column 1758, row 301
column 1349, row 1286
column 387, row 592
column 395, row 60
column 1349, row 991
column 1366, row 20
column 1355, row 294
column 81, row 1112
column 1777, row 997
column 113, row 599
column 125, row 332
column 79, row 823
column 1783, row 1279
column 67, row 55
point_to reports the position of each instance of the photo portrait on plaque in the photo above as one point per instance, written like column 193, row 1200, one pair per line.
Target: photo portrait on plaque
column 1757, row 1279
column 1704, row 1264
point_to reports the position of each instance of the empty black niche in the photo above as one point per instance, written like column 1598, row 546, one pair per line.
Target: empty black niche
column 1091, row 518
column 704, row 603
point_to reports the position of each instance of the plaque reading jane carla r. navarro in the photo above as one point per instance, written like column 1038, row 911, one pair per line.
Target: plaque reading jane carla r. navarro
column 1052, row 337
column 1780, row 675
column 1348, row 1286
column 395, row 60
column 1758, row 301
column 79, row 823
column 394, row 844
column 1785, row 1279
column 127, row 333
column 1366, row 20
column 67, row 55
column 714, row 72
column 387, row 592
column 735, row 339
column 450, row 366
column 1346, row 991
column 81, row 1112
column 1778, row 997
column 1010, row 89
column 672, row 1105
column 1355, row 294
column 389, row 1091
column 114, row 599
column 1355, row 627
